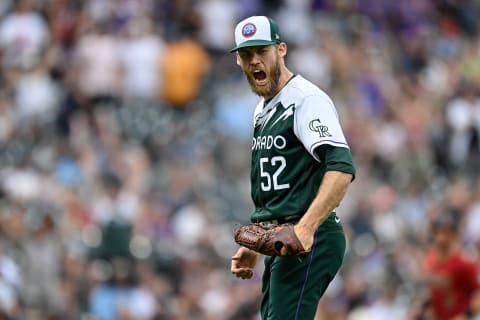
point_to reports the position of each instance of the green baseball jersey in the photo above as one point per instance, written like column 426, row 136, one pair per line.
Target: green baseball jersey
column 285, row 171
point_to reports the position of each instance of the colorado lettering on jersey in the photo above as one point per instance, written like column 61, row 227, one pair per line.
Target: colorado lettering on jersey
column 267, row 142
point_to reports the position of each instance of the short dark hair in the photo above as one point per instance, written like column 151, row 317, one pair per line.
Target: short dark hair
column 446, row 219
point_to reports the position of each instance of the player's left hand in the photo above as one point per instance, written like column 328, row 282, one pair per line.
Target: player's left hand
column 305, row 234
column 270, row 239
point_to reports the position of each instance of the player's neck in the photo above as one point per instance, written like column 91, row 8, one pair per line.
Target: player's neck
column 285, row 76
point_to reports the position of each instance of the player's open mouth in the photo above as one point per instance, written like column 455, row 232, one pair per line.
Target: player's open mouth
column 260, row 77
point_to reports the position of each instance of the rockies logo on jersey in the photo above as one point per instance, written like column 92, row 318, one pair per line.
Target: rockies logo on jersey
column 316, row 126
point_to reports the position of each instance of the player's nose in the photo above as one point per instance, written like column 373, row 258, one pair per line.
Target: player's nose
column 255, row 59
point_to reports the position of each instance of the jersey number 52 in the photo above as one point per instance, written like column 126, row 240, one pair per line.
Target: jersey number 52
column 278, row 163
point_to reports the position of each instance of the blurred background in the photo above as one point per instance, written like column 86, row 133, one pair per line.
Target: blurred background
column 125, row 131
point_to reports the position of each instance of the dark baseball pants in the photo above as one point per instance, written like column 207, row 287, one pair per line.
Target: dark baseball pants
column 293, row 286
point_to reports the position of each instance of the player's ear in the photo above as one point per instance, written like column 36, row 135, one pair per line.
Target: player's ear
column 238, row 58
column 282, row 49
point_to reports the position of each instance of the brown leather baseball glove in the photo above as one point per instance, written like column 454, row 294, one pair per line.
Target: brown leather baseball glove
column 269, row 239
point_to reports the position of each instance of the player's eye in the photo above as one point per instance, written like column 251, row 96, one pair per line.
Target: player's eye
column 263, row 50
column 244, row 54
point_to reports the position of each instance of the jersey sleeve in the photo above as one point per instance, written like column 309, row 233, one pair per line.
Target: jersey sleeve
column 335, row 159
column 316, row 123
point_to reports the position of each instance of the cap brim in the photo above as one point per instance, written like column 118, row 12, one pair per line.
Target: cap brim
column 253, row 43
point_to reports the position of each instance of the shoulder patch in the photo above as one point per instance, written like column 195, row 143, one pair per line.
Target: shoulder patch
column 316, row 126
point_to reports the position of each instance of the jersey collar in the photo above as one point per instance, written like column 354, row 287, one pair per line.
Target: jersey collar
column 270, row 103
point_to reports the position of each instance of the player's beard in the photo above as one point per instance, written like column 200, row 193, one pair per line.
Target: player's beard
column 271, row 88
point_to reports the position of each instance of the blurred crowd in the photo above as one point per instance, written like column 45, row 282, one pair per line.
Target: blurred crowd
column 125, row 131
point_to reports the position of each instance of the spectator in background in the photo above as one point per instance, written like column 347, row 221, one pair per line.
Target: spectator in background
column 218, row 17
column 23, row 35
column 114, row 203
column 36, row 95
column 184, row 66
column 43, row 252
column 141, row 53
column 294, row 16
column 64, row 16
column 463, row 117
column 97, row 68
column 451, row 276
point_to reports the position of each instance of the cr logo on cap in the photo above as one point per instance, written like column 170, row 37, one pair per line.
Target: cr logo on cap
column 249, row 30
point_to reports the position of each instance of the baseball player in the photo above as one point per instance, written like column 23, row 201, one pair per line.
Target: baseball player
column 300, row 171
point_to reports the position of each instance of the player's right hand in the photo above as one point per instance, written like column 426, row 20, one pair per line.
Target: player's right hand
column 243, row 263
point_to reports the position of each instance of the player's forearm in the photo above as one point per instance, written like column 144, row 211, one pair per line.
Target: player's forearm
column 331, row 192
